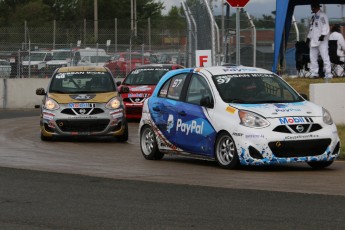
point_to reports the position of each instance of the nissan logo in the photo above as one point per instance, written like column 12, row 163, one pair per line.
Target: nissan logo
column 300, row 128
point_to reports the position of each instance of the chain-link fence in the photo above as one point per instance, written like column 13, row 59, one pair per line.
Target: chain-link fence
column 170, row 40
column 158, row 38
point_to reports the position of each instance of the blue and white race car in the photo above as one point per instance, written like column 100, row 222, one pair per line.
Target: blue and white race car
column 236, row 115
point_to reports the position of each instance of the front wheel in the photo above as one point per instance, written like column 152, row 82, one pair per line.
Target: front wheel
column 319, row 164
column 225, row 151
column 148, row 144
column 45, row 138
column 124, row 136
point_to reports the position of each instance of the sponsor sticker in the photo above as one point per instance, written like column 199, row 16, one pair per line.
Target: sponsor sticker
column 254, row 136
column 141, row 88
column 308, row 136
column 81, row 105
column 231, row 110
column 138, row 95
column 117, row 115
column 48, row 116
column 237, row 134
column 292, row 120
column 192, row 127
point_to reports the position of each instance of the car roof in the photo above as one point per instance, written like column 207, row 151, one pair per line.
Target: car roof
column 222, row 70
column 82, row 68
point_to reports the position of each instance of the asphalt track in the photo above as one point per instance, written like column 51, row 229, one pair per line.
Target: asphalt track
column 103, row 184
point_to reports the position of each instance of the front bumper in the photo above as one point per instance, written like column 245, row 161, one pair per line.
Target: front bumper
column 97, row 121
column 264, row 146
column 133, row 110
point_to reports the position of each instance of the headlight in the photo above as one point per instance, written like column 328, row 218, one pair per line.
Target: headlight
column 252, row 120
column 51, row 104
column 326, row 116
column 114, row 103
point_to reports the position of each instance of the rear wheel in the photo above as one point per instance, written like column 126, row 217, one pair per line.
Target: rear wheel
column 225, row 151
column 319, row 164
column 148, row 144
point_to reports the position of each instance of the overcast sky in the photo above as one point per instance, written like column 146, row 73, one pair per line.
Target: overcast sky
column 259, row 7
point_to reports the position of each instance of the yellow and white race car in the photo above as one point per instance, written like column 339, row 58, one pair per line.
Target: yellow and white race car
column 82, row 101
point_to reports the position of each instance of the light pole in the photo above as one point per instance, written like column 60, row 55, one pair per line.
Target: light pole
column 134, row 17
column 95, row 15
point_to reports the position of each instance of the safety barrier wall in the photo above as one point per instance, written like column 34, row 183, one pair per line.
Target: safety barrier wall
column 331, row 97
column 20, row 93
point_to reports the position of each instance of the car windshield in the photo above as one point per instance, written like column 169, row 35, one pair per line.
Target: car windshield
column 255, row 88
column 148, row 76
column 35, row 57
column 82, row 82
column 61, row 55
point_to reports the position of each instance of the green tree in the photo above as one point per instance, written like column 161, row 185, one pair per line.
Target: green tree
column 175, row 19
column 27, row 11
column 12, row 12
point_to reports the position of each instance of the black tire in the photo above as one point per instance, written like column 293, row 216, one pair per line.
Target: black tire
column 45, row 138
column 124, row 136
column 225, row 152
column 319, row 164
column 148, row 144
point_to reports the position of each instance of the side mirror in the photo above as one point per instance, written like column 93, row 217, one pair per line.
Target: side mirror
column 118, row 83
column 305, row 97
column 124, row 89
column 207, row 102
column 40, row 91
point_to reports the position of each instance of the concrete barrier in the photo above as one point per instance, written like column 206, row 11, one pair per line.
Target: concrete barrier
column 331, row 97
column 21, row 93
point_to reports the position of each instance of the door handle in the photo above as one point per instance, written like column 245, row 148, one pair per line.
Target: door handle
column 182, row 113
column 156, row 109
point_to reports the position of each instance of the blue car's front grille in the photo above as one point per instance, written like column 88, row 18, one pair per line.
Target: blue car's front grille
column 300, row 148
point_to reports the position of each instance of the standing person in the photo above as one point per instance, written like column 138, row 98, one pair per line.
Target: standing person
column 318, row 41
column 337, row 36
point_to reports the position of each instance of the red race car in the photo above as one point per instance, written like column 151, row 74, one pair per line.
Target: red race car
column 122, row 63
column 139, row 85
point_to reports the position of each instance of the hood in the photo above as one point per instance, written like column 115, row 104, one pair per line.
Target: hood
column 304, row 108
column 85, row 97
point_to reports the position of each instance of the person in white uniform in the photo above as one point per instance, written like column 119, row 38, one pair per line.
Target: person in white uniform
column 337, row 36
column 318, row 41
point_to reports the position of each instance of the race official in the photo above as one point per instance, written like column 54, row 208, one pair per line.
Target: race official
column 337, row 36
column 318, row 41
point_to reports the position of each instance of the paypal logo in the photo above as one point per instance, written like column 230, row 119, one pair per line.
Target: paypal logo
column 187, row 128
column 170, row 122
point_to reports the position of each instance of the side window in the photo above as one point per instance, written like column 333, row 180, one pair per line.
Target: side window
column 164, row 90
column 175, row 87
column 197, row 89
